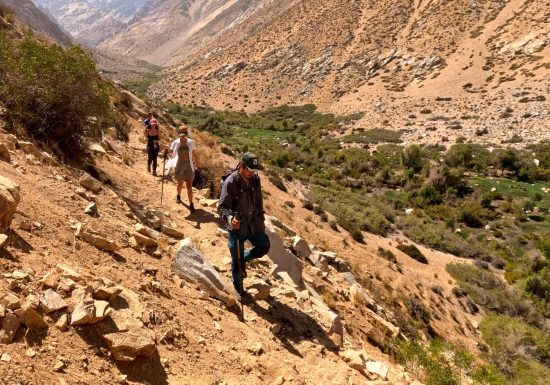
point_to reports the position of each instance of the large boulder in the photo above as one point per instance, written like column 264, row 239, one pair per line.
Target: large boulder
column 190, row 264
column 284, row 259
column 9, row 199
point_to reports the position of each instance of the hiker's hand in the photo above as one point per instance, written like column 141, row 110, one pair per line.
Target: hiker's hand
column 235, row 223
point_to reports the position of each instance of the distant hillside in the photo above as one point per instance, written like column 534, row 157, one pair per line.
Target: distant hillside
column 440, row 70
column 164, row 28
column 40, row 22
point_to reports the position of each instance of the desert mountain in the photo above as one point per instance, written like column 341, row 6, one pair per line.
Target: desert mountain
column 151, row 30
column 436, row 69
column 92, row 21
column 32, row 16
column 165, row 28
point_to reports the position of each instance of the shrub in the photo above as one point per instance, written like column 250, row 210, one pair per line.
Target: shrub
column 539, row 285
column 515, row 344
column 544, row 246
column 413, row 252
column 387, row 254
column 471, row 214
column 54, row 95
column 274, row 178
column 488, row 290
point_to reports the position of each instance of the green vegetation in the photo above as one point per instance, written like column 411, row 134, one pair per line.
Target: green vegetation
column 440, row 363
column 491, row 207
column 140, row 87
column 519, row 349
column 54, row 95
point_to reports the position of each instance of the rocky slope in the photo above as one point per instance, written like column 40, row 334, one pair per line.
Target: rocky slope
column 97, row 286
column 39, row 21
column 439, row 70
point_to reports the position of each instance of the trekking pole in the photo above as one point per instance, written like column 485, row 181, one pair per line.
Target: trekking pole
column 240, row 267
column 163, row 170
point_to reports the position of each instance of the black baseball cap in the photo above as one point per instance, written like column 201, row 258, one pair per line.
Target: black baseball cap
column 250, row 161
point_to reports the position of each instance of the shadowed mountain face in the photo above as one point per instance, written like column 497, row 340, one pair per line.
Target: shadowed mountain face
column 35, row 18
column 92, row 21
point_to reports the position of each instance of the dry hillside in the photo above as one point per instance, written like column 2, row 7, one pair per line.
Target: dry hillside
column 438, row 69
column 59, row 243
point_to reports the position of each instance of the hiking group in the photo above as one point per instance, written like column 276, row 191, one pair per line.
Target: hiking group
column 240, row 205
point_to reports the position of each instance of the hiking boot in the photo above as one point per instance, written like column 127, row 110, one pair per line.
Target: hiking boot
column 154, row 172
column 178, row 199
column 148, row 168
column 192, row 207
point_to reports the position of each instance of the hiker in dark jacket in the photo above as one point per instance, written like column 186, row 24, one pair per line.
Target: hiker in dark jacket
column 153, row 137
column 241, row 209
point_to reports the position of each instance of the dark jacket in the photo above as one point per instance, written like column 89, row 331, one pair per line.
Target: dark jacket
column 244, row 201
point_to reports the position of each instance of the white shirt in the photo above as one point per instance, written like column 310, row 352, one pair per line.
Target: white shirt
column 174, row 147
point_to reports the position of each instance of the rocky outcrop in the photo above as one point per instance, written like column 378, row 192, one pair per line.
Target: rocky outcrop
column 9, row 199
column 284, row 260
column 191, row 265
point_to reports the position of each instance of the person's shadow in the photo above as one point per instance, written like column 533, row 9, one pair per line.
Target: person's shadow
column 296, row 326
column 200, row 216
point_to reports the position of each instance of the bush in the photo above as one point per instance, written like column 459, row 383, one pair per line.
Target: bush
column 515, row 345
column 387, row 254
column 274, row 178
column 413, row 252
column 471, row 214
column 53, row 95
column 488, row 290
column 539, row 285
column 544, row 246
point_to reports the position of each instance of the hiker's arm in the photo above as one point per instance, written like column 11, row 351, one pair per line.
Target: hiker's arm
column 260, row 202
column 224, row 204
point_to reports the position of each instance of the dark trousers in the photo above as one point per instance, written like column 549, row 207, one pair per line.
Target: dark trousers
column 260, row 243
column 152, row 154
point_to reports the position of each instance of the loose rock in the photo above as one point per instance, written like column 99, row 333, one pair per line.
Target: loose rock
column 50, row 301
column 9, row 199
column 8, row 327
column 30, row 318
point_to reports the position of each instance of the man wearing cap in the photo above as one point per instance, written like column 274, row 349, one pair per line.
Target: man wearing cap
column 241, row 208
column 183, row 149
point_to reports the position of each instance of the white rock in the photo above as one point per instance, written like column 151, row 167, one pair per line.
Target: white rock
column 284, row 260
column 379, row 368
column 356, row 359
column 50, row 301
column 191, row 265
